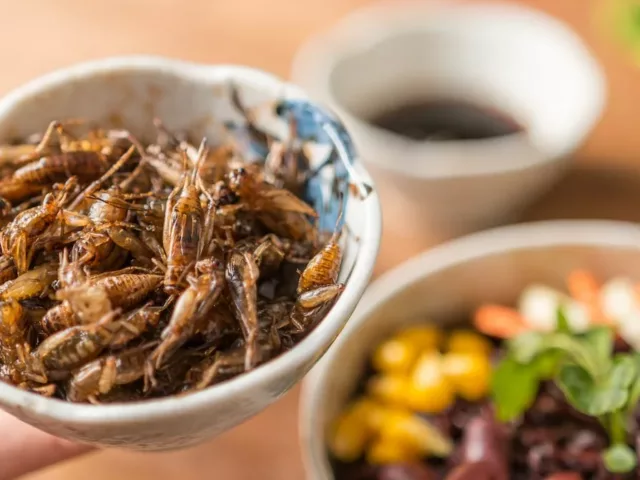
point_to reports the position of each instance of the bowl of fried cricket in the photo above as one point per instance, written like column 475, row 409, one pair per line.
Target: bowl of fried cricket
column 506, row 354
column 180, row 244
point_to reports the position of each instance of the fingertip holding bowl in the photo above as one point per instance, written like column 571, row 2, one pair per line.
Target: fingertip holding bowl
column 129, row 92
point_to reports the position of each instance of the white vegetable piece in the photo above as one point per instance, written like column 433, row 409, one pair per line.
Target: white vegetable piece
column 578, row 316
column 539, row 305
column 618, row 299
column 629, row 328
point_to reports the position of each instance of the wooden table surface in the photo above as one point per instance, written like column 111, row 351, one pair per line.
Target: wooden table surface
column 39, row 35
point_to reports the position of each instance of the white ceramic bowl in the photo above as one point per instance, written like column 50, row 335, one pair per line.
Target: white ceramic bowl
column 444, row 284
column 129, row 92
column 504, row 56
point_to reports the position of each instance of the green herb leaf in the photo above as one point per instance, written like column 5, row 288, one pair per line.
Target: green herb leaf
column 634, row 393
column 526, row 346
column 594, row 397
column 634, row 390
column 599, row 341
column 605, row 400
column 620, row 458
column 624, row 371
column 547, row 363
column 562, row 323
column 612, row 392
column 575, row 350
column 577, row 385
column 514, row 387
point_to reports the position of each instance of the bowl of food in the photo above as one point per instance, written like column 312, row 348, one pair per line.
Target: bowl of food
column 469, row 110
column 506, row 354
column 180, row 244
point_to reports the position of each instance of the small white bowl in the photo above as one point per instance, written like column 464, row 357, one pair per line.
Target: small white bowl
column 447, row 283
column 503, row 56
column 129, row 92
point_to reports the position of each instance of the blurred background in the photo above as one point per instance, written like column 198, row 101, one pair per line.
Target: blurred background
column 40, row 35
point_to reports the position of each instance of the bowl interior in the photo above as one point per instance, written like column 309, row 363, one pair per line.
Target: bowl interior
column 530, row 67
column 128, row 93
column 500, row 55
column 187, row 98
column 444, row 286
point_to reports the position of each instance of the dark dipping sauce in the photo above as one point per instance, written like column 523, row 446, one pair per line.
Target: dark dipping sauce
column 442, row 120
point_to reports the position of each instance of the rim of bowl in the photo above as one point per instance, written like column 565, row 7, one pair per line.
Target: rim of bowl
column 543, row 234
column 325, row 331
column 316, row 58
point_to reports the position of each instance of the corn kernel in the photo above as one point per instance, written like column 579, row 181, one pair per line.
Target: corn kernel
column 424, row 337
column 349, row 436
column 384, row 451
column 370, row 411
column 468, row 373
column 390, row 388
column 430, row 390
column 414, row 432
column 395, row 355
column 467, row 341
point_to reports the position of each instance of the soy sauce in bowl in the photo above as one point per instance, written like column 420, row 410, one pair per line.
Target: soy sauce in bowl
column 444, row 120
